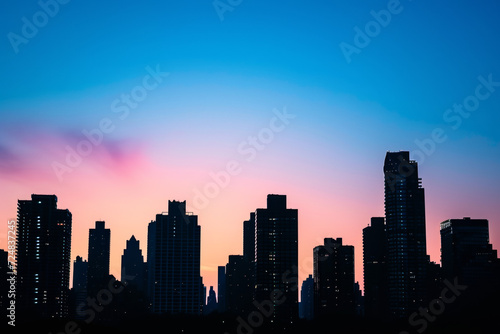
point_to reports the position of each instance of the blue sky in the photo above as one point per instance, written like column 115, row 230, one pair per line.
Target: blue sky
column 427, row 57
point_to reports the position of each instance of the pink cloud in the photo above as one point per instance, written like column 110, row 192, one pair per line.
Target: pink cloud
column 29, row 153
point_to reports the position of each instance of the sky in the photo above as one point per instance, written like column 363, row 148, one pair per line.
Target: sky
column 119, row 107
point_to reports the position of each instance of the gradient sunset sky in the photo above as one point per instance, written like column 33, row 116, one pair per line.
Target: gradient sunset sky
column 222, row 75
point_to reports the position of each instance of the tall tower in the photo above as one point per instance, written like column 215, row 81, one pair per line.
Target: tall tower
column 221, row 288
column 466, row 253
column 174, row 261
column 307, row 299
column 375, row 268
column 333, row 278
column 98, row 263
column 249, row 238
column 238, row 285
column 133, row 266
column 43, row 257
column 276, row 257
column 407, row 259
column 4, row 284
column 80, row 270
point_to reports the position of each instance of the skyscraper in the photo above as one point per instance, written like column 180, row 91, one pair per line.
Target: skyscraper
column 133, row 266
column 240, row 274
column 407, row 259
column 80, row 269
column 306, row 308
column 221, row 288
column 466, row 253
column 333, row 278
column 211, row 305
column 98, row 263
column 249, row 238
column 276, row 257
column 4, row 284
column 43, row 258
column 174, row 261
column 151, row 252
column 239, row 288
column 375, row 268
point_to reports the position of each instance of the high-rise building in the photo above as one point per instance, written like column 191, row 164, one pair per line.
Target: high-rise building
column 211, row 305
column 306, row 309
column 203, row 295
column 133, row 267
column 239, row 288
column 407, row 259
column 466, row 253
column 221, row 288
column 249, row 238
column 174, row 261
column 80, row 270
column 359, row 301
column 333, row 278
column 43, row 258
column 276, row 257
column 150, row 265
column 4, row 284
column 239, row 275
column 375, row 269
column 98, row 262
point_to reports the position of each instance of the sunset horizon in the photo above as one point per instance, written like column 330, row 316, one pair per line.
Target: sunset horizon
column 118, row 110
column 209, row 269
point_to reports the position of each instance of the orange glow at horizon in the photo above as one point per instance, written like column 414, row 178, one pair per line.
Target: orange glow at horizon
column 339, row 207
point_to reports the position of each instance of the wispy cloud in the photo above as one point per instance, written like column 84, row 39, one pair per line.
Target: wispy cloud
column 9, row 161
column 29, row 151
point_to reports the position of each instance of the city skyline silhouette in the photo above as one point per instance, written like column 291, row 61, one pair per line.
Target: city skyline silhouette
column 265, row 283
column 119, row 110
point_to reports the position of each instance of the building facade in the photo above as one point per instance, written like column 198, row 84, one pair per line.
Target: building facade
column 466, row 252
column 133, row 272
column 276, row 257
column 238, row 288
column 375, row 268
column 407, row 259
column 80, row 271
column 43, row 258
column 175, row 285
column 334, row 278
column 306, row 309
column 98, row 259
